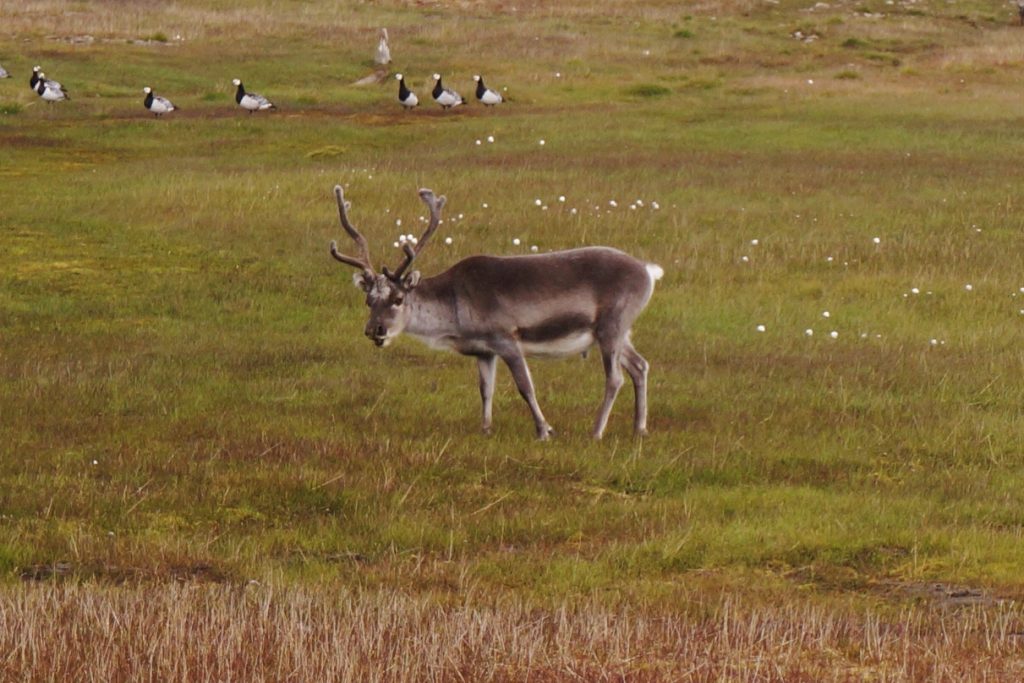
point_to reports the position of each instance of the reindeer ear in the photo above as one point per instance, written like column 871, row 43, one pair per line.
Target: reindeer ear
column 411, row 280
column 361, row 281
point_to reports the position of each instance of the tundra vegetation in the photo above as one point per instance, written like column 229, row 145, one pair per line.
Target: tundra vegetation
column 207, row 472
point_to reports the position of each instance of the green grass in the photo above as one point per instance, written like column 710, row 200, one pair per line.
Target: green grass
column 183, row 377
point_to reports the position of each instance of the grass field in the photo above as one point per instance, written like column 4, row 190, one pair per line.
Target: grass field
column 191, row 418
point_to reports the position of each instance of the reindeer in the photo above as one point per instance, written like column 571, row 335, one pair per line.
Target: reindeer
column 491, row 307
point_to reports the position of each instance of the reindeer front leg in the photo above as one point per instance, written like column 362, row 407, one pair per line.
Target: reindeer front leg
column 513, row 357
column 487, row 365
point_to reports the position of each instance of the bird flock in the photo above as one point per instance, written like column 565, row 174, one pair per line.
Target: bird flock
column 51, row 91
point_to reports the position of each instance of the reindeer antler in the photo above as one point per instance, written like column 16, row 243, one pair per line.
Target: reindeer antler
column 364, row 250
column 435, row 204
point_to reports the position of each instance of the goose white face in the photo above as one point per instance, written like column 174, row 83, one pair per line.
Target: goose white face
column 398, row 77
column 147, row 90
column 236, row 81
column 437, row 77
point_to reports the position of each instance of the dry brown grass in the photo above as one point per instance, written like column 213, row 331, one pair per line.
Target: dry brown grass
column 116, row 19
column 208, row 632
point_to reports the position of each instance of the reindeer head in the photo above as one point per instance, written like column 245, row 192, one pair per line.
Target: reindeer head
column 386, row 292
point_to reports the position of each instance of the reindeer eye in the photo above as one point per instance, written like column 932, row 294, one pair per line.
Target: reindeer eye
column 397, row 301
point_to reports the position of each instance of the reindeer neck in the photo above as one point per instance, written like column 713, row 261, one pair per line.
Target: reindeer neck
column 431, row 311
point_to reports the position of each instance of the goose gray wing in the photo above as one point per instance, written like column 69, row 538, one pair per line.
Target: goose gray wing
column 258, row 100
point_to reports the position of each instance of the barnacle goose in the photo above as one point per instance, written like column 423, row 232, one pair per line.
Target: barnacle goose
column 37, row 75
column 250, row 100
column 50, row 91
column 446, row 97
column 486, row 95
column 406, row 97
column 156, row 104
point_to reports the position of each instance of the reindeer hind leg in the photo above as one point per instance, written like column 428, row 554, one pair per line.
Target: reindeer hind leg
column 637, row 367
column 611, row 358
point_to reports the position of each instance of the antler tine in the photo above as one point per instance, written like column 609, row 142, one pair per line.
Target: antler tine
column 435, row 204
column 357, row 237
column 347, row 260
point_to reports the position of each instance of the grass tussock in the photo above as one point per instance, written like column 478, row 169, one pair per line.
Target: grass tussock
column 204, row 633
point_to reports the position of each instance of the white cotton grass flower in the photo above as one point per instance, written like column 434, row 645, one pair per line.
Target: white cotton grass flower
column 398, row 222
column 834, row 334
column 447, row 240
column 745, row 259
column 484, row 206
column 754, row 242
column 533, row 248
column 915, row 290
column 829, row 259
column 826, row 314
column 573, row 211
column 612, row 203
column 761, row 328
column 490, row 138
column 808, row 332
column 876, row 240
column 541, row 142
column 655, row 205
column 561, row 199
column 516, row 242
column 969, row 287
column 478, row 142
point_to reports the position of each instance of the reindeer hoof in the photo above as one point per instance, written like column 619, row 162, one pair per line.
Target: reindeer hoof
column 545, row 433
column 640, row 433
